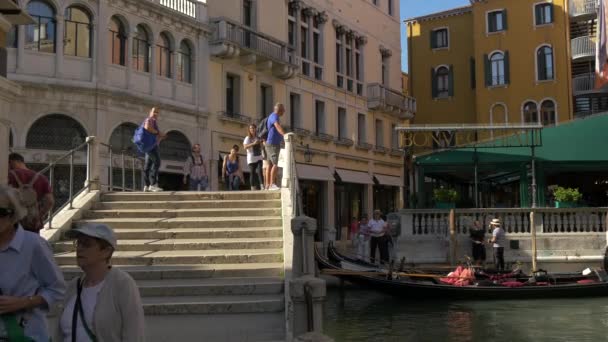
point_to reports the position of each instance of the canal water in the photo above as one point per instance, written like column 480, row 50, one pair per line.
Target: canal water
column 353, row 315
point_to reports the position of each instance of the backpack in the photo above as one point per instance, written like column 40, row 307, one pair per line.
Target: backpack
column 194, row 159
column 29, row 199
column 262, row 131
column 144, row 140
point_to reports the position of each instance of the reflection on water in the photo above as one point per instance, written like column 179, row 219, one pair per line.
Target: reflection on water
column 357, row 315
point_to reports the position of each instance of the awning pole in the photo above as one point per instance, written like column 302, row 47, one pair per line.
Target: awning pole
column 476, row 179
column 532, row 213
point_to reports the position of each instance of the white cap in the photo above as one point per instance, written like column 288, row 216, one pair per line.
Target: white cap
column 97, row 230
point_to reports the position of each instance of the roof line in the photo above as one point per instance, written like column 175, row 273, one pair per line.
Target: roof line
column 442, row 14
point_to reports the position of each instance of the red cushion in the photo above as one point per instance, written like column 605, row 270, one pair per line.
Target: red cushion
column 586, row 281
column 512, row 284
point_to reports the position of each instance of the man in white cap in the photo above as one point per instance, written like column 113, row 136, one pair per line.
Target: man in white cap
column 498, row 241
column 105, row 301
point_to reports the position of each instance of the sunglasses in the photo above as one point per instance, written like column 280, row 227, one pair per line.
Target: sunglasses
column 4, row 212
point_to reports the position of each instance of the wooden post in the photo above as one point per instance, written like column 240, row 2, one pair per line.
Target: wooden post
column 452, row 224
column 533, row 235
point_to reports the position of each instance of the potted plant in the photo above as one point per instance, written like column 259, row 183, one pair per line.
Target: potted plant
column 445, row 198
column 566, row 197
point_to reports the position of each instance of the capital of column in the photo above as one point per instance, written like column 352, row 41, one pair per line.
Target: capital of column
column 385, row 52
column 309, row 12
column 361, row 40
column 296, row 5
column 322, row 17
column 350, row 34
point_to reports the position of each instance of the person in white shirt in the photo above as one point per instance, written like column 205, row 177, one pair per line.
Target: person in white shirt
column 362, row 239
column 253, row 146
column 498, row 241
column 379, row 238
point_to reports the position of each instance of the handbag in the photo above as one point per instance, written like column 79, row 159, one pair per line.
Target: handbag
column 79, row 312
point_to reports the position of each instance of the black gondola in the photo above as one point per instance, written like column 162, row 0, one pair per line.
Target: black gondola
column 372, row 277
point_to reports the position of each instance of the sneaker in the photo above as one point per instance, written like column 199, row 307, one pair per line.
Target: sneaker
column 146, row 188
column 155, row 188
column 274, row 187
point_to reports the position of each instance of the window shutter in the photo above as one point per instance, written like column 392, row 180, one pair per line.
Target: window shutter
column 541, row 64
column 451, row 81
column 472, row 63
column 507, row 69
column 504, row 20
column 487, row 69
column 433, row 40
column 433, row 84
column 551, row 6
column 537, row 14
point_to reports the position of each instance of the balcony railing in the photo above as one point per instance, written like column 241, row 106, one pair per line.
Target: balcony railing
column 344, row 142
column 583, row 47
column 231, row 40
column 186, row 7
column 234, row 117
column 390, row 101
column 364, row 146
column 583, row 7
column 583, row 83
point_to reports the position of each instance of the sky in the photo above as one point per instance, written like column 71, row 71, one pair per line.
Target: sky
column 416, row 8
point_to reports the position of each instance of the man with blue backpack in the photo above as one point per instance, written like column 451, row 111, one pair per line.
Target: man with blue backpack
column 147, row 137
column 273, row 135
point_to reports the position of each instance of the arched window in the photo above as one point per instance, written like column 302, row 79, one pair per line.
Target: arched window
column 175, row 147
column 442, row 82
column 547, row 112
column 530, row 112
column 141, row 49
column 121, row 137
column 55, row 132
column 77, row 38
column 184, row 62
column 497, row 68
column 163, row 56
column 544, row 63
column 118, row 41
column 40, row 36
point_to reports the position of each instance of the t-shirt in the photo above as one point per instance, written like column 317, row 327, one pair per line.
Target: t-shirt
column 274, row 137
column 499, row 234
column 152, row 122
column 477, row 234
column 88, row 297
column 41, row 186
column 376, row 227
column 251, row 157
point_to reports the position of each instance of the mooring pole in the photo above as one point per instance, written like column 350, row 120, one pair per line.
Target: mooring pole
column 475, row 165
column 532, row 213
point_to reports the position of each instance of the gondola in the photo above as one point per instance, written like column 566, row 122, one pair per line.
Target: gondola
column 420, row 286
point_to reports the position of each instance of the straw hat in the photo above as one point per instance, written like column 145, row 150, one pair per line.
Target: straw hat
column 495, row 222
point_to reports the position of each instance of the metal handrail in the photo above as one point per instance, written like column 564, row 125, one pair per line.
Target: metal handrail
column 123, row 168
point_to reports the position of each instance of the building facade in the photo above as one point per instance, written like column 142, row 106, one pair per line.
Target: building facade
column 493, row 62
column 96, row 69
column 336, row 67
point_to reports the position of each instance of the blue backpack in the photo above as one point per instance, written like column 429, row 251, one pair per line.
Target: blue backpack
column 144, row 140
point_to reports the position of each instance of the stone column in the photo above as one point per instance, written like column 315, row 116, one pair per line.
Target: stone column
column 59, row 45
column 129, row 58
column 4, row 142
column 329, row 228
column 93, row 164
column 369, row 200
column 201, row 70
column 152, row 68
column 297, row 229
column 297, row 6
column 174, row 56
column 288, row 167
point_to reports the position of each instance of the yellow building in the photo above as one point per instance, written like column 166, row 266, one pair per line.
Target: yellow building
column 336, row 66
column 405, row 83
column 492, row 62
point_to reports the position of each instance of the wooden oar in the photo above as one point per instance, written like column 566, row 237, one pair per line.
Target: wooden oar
column 363, row 273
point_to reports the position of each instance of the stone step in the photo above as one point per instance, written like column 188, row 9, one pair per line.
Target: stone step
column 158, row 272
column 210, row 287
column 213, row 304
column 190, row 196
column 204, row 204
column 220, row 256
column 185, row 213
column 189, row 222
column 198, row 233
column 184, row 244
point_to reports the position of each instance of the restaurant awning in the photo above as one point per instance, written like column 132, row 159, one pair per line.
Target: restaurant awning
column 358, row 177
column 312, row 172
column 389, row 180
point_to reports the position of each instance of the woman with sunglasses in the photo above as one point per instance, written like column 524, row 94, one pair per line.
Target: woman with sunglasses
column 104, row 303
column 30, row 281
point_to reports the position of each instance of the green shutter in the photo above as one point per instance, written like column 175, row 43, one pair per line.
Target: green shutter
column 487, row 69
column 433, row 84
column 538, row 14
column 507, row 69
column 541, row 64
column 472, row 62
column 432, row 35
column 451, row 81
column 504, row 20
column 551, row 6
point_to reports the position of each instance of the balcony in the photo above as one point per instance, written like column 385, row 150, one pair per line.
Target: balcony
column 380, row 98
column 234, row 117
column 581, row 8
column 583, row 47
column 322, row 137
column 191, row 8
column 380, row 149
column 10, row 11
column 583, row 83
column 363, row 146
column 232, row 40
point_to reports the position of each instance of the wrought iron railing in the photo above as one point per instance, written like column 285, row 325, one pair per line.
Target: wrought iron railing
column 187, row 7
column 128, row 162
column 583, row 47
column 583, row 7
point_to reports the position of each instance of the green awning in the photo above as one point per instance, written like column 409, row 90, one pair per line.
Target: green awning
column 578, row 141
